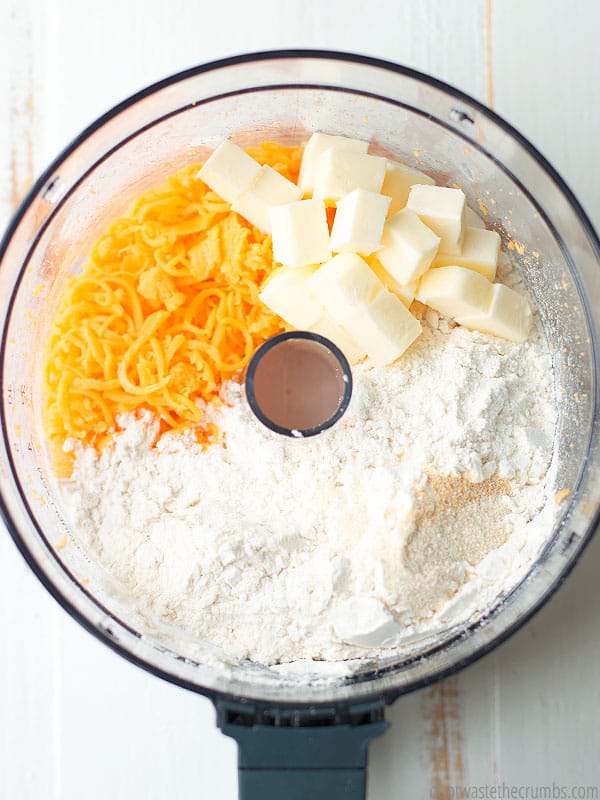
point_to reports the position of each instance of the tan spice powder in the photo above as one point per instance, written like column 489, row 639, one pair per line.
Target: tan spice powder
column 457, row 520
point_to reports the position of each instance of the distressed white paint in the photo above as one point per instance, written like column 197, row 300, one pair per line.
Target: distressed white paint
column 546, row 81
column 110, row 61
column 29, row 622
column 78, row 722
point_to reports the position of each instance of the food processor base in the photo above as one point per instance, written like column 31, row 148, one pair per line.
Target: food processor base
column 299, row 753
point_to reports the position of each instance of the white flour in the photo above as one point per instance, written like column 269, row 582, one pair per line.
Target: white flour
column 277, row 550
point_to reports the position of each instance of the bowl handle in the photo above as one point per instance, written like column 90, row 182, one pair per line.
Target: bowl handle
column 301, row 753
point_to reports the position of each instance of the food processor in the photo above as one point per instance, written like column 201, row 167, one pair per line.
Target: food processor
column 300, row 733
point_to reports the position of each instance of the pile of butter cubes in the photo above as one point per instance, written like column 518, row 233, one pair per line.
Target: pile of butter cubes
column 427, row 245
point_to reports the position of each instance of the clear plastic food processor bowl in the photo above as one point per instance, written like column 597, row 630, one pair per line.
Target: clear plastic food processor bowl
column 283, row 97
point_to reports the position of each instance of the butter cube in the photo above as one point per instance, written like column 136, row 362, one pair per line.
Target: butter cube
column 408, row 246
column 508, row 316
column 385, row 328
column 358, row 223
column 405, row 293
column 286, row 294
column 443, row 210
column 343, row 285
column 268, row 189
column 473, row 220
column 329, row 328
column 300, row 233
column 318, row 144
column 229, row 171
column 398, row 181
column 457, row 292
column 339, row 172
column 356, row 299
column 480, row 252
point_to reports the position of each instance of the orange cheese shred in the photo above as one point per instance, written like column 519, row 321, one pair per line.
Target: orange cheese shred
column 165, row 311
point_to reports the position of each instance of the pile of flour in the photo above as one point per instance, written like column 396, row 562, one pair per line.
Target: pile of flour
column 277, row 549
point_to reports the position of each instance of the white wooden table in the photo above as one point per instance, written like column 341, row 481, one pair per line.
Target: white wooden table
column 77, row 722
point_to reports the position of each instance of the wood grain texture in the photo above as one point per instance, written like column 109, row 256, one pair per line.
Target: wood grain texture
column 442, row 712
column 548, row 681
column 29, row 689
column 78, row 722
column 545, row 60
column 490, row 91
column 546, row 68
column 425, row 35
column 17, row 113
column 128, row 735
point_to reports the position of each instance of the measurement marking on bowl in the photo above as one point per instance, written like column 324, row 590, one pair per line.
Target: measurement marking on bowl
column 573, row 537
column 458, row 115
column 54, row 189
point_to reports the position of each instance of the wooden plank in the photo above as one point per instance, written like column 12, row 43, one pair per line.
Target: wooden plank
column 545, row 59
column 544, row 62
column 442, row 37
column 126, row 734
column 441, row 706
column 29, row 701
column 548, row 687
column 441, row 737
column 17, row 113
column 400, row 763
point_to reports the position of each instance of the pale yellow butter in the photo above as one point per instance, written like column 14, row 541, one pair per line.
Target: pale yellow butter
column 457, row 292
column 358, row 223
column 405, row 293
column 444, row 211
column 268, row 189
column 408, row 246
column 508, row 316
column 300, row 233
column 329, row 328
column 385, row 328
column 480, row 252
column 357, row 300
column 343, row 285
column 229, row 171
column 318, row 144
column 339, row 172
column 286, row 294
column 398, row 181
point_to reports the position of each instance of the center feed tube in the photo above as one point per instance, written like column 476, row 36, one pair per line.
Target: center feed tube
column 303, row 761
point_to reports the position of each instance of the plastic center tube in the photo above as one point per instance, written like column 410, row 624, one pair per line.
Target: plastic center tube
column 298, row 383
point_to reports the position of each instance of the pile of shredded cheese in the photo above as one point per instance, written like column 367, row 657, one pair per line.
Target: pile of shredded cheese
column 164, row 312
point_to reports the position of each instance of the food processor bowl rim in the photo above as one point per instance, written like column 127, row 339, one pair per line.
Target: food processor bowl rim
column 388, row 695
column 302, row 53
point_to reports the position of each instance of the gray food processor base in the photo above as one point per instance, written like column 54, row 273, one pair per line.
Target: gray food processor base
column 300, row 753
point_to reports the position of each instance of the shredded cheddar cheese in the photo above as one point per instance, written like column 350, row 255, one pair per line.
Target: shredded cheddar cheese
column 165, row 311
